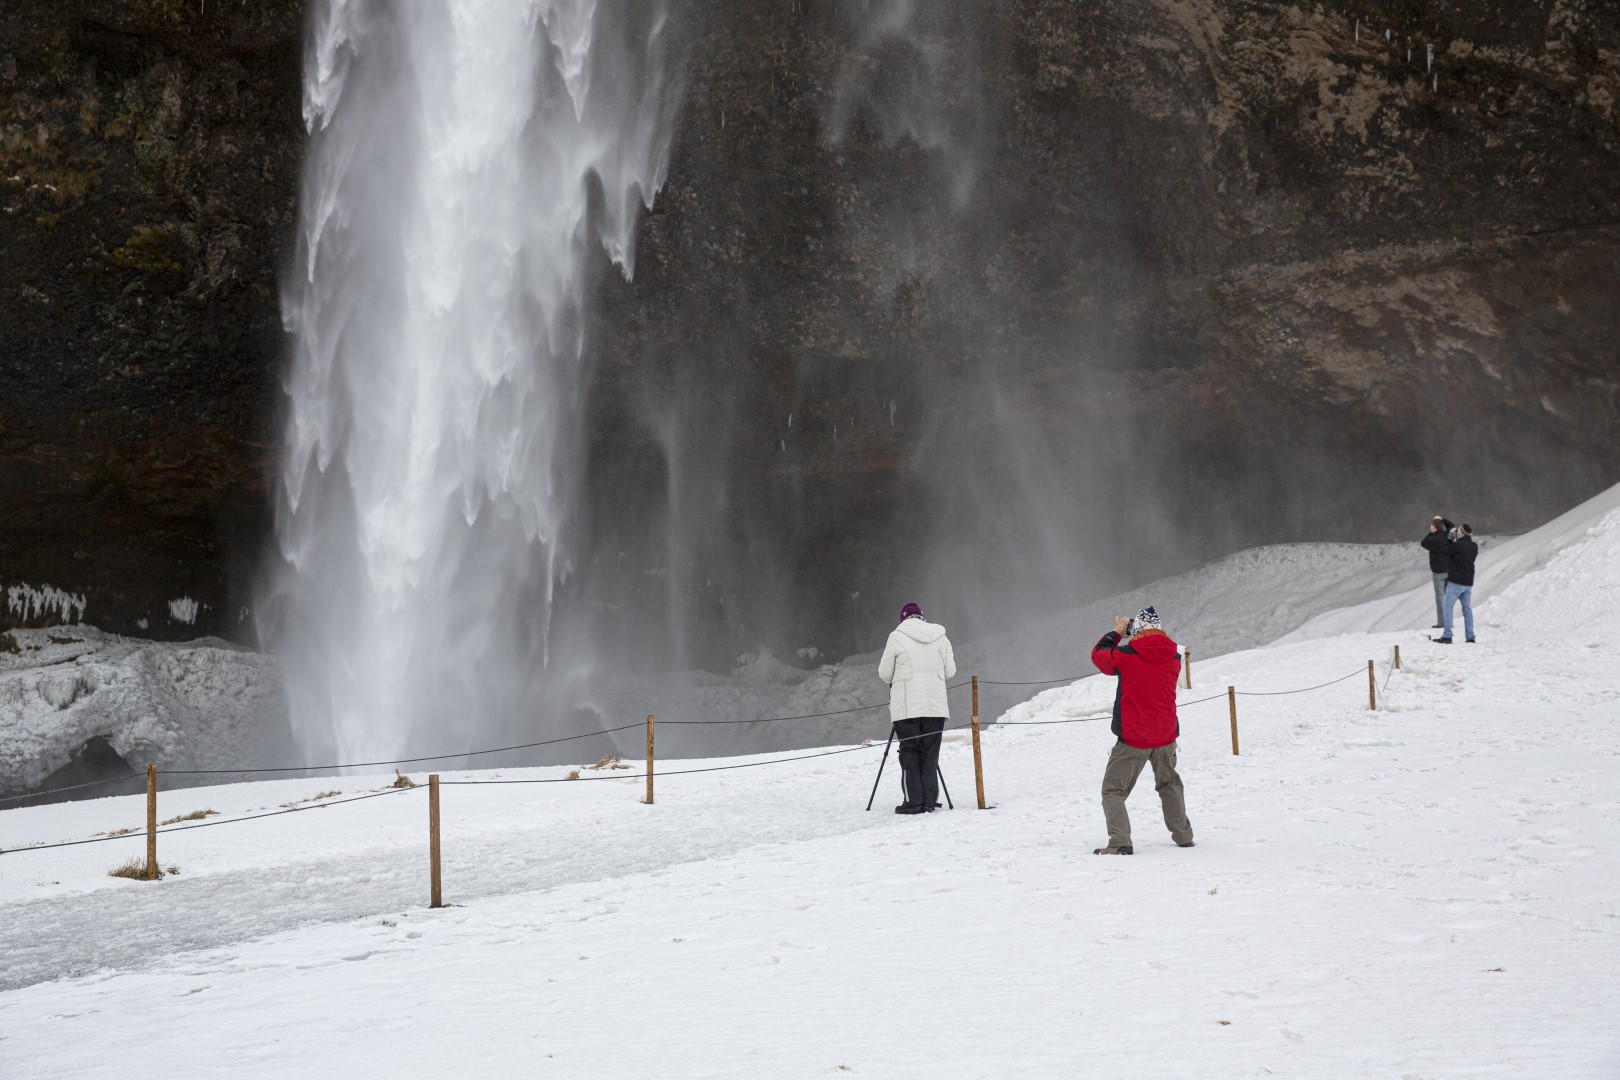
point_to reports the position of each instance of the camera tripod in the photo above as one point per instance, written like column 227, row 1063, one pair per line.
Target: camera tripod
column 937, row 771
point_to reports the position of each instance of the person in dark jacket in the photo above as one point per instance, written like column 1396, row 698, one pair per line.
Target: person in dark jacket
column 1145, row 726
column 1439, row 528
column 1461, row 552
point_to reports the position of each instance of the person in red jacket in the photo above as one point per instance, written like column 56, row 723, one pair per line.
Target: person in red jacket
column 1148, row 666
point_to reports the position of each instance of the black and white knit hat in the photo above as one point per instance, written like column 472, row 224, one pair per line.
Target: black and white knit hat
column 1146, row 619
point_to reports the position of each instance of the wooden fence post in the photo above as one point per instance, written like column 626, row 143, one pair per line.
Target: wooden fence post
column 1231, row 704
column 1372, row 687
column 151, row 823
column 433, row 841
column 649, row 759
column 978, row 759
column 1397, row 658
column 1186, row 666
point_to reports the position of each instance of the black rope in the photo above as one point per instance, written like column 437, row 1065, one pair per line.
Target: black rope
column 774, row 719
column 73, row 787
column 712, row 768
column 1306, row 690
column 1067, row 720
column 1097, row 716
column 622, row 727
column 810, row 716
column 141, row 833
column 400, row 761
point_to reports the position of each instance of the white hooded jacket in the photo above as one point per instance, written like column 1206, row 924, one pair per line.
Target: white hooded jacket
column 916, row 663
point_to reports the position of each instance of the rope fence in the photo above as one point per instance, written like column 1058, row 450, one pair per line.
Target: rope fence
column 152, row 831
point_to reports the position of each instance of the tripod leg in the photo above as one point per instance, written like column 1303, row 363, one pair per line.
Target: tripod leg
column 882, row 763
column 943, row 788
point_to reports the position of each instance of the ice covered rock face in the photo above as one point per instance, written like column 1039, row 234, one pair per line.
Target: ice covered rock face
column 203, row 705
column 1311, row 293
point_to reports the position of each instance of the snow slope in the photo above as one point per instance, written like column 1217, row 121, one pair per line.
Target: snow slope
column 1502, row 565
column 1425, row 890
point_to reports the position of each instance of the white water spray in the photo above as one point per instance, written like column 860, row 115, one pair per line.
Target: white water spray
column 466, row 157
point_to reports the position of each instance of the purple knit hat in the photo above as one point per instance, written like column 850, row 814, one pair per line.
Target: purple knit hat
column 910, row 611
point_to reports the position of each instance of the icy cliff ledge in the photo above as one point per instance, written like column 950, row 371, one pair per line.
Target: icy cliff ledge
column 203, row 704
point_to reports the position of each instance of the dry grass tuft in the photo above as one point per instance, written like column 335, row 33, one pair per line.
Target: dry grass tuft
column 195, row 815
column 133, row 868
column 119, row 832
column 402, row 781
column 608, row 761
column 574, row 775
column 334, row 793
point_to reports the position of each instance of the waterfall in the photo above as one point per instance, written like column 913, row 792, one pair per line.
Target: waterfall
column 468, row 159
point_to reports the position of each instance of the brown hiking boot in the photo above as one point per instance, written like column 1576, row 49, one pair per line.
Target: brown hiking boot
column 1124, row 849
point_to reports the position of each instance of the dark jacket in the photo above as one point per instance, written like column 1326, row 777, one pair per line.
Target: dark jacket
column 1145, row 701
column 1432, row 543
column 1460, row 556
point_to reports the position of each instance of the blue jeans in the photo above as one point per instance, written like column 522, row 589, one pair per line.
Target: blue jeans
column 1439, row 599
column 1465, row 593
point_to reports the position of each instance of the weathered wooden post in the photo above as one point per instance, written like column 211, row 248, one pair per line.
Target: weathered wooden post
column 649, row 759
column 437, row 884
column 1372, row 687
column 978, row 759
column 1186, row 666
column 1231, row 704
column 1397, row 658
column 151, row 823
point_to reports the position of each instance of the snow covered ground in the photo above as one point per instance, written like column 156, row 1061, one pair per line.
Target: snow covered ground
column 1425, row 890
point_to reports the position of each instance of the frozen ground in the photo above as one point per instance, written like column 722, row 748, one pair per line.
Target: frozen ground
column 1426, row 890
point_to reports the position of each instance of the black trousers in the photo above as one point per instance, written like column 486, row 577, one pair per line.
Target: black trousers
column 919, row 758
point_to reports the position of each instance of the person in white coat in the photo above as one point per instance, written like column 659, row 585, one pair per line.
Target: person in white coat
column 916, row 664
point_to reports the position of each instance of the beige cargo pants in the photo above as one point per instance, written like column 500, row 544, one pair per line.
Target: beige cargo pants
column 1124, row 766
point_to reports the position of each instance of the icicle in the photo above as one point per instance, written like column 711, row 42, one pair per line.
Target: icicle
column 1430, row 66
column 1435, row 88
column 790, row 421
column 1358, row 29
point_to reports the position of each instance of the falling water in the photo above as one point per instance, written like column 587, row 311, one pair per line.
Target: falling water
column 467, row 160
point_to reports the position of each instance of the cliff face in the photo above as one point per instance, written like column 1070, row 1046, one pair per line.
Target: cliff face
column 149, row 155
column 1179, row 275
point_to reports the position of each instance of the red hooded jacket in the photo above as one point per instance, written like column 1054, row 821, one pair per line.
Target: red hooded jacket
column 1145, row 703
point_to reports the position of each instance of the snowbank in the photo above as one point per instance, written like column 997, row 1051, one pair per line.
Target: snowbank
column 206, row 704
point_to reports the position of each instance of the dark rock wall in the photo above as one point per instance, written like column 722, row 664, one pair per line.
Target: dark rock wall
column 149, row 155
column 1123, row 283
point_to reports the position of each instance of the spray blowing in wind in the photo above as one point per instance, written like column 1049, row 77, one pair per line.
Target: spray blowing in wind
column 466, row 159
